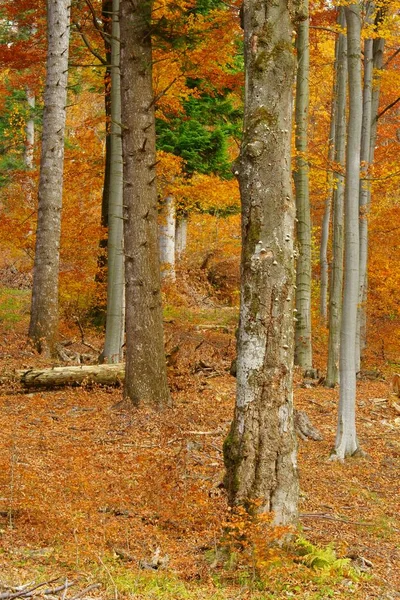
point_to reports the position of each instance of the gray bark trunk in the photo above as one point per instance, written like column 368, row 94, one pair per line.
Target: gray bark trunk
column 167, row 238
column 181, row 236
column 146, row 375
column 260, row 451
column 346, row 443
column 29, row 131
column 336, row 287
column 303, row 341
column 114, row 338
column 107, row 12
column 44, row 307
column 377, row 58
column 326, row 219
column 364, row 188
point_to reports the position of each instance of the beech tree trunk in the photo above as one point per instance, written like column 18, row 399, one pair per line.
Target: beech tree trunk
column 303, row 341
column 43, row 327
column 146, row 374
column 346, row 443
column 336, row 287
column 181, row 235
column 326, row 219
column 167, row 238
column 29, row 131
column 364, row 196
column 260, row 451
column 107, row 13
column 378, row 45
column 115, row 320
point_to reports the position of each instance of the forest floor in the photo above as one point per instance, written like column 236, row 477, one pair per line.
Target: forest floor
column 133, row 501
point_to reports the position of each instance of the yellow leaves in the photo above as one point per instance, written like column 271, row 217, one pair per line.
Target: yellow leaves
column 208, row 193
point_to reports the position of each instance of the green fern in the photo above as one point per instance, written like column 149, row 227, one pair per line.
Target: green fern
column 321, row 558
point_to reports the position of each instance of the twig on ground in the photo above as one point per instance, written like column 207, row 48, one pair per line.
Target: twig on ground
column 26, row 592
column 89, row 588
column 83, row 341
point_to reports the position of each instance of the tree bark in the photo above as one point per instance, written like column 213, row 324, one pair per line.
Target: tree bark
column 181, row 235
column 43, row 327
column 146, row 376
column 326, row 219
column 167, row 238
column 346, row 443
column 115, row 320
column 29, row 131
column 303, row 341
column 59, row 376
column 378, row 45
column 260, row 451
column 364, row 196
column 107, row 12
column 336, row 287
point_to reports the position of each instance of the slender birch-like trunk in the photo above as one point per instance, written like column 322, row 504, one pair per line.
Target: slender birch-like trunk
column 260, row 450
column 43, row 328
column 326, row 219
column 146, row 375
column 181, row 235
column 346, row 443
column 114, row 338
column 336, row 283
column 29, row 131
column 303, row 341
column 364, row 197
column 167, row 238
column 378, row 45
column 107, row 12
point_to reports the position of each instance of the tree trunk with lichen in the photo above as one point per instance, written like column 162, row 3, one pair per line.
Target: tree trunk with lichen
column 346, row 443
column 260, row 450
column 303, row 341
column 43, row 327
column 146, row 374
column 336, row 283
column 115, row 320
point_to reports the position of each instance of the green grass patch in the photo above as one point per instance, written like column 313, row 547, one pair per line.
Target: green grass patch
column 14, row 305
column 218, row 317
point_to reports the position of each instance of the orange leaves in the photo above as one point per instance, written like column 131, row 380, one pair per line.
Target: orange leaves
column 208, row 193
column 252, row 540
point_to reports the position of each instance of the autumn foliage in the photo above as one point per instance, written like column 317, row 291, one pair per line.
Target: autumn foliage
column 90, row 489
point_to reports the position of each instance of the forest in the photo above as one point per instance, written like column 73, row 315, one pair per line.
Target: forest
column 199, row 299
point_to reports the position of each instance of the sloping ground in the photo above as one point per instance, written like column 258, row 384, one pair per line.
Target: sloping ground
column 89, row 491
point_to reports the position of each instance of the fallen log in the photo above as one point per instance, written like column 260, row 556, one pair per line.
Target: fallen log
column 72, row 375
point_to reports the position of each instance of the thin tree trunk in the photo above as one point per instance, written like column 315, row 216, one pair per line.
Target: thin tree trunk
column 167, row 238
column 115, row 273
column 146, row 375
column 336, row 287
column 303, row 341
column 107, row 12
column 364, row 197
column 346, row 443
column 377, row 57
column 181, row 235
column 43, row 327
column 260, row 451
column 29, row 131
column 326, row 219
